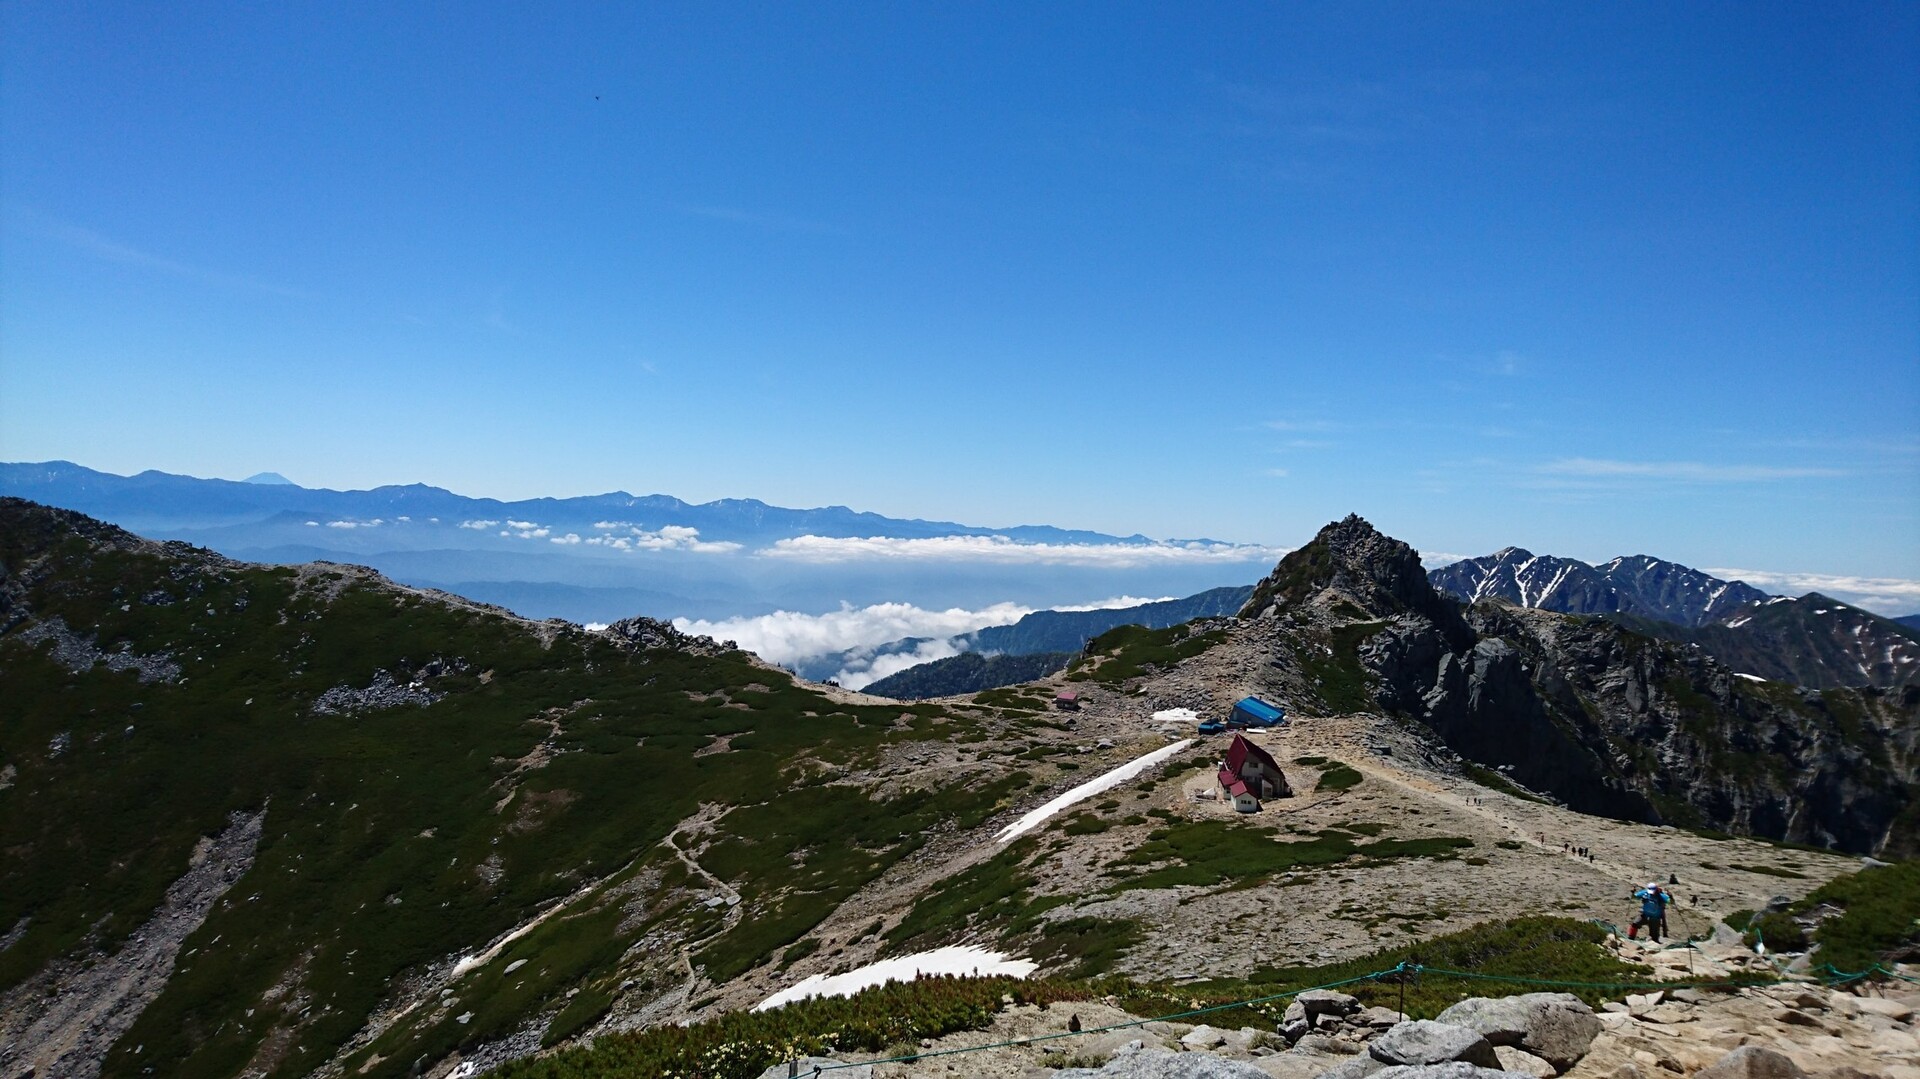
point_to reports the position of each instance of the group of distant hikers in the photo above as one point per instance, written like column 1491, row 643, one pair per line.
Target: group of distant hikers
column 1654, row 901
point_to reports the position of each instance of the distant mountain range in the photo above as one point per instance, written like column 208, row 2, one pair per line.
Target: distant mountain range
column 165, row 502
column 598, row 558
column 1813, row 641
column 968, row 672
column 1634, row 585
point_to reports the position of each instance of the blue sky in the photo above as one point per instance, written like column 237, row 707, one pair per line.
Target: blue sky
column 1592, row 280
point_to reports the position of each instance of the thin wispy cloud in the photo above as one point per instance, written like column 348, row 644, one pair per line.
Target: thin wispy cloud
column 1677, row 471
column 1000, row 549
column 101, row 246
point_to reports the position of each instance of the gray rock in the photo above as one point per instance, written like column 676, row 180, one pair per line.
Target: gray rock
column 1203, row 1037
column 1328, row 1045
column 1558, row 1027
column 1562, row 1034
column 1327, row 1002
column 1383, row 1018
column 1423, row 1041
column 1359, row 1067
column 1153, row 1064
column 1752, row 1062
column 1296, row 1012
column 1519, row 1060
column 1456, row 1069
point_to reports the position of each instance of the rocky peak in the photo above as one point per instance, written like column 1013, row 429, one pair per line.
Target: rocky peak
column 647, row 634
column 1379, row 574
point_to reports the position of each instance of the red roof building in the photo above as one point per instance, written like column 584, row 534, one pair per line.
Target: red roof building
column 1250, row 774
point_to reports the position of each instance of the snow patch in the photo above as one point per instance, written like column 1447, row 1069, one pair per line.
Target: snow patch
column 958, row 959
column 1088, row 789
column 1176, row 715
column 1749, row 677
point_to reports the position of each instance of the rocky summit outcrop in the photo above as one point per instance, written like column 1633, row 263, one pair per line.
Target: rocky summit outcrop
column 1608, row 720
column 1350, row 564
column 645, row 634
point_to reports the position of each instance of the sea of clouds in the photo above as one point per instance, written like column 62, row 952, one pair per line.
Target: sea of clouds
column 859, row 634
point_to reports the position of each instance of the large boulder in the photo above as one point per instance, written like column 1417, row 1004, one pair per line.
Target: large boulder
column 1423, row 1041
column 1557, row 1027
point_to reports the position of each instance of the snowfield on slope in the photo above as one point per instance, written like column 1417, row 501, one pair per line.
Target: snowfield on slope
column 1088, row 789
column 958, row 959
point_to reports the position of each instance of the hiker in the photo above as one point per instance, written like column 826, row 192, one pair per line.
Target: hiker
column 1653, row 912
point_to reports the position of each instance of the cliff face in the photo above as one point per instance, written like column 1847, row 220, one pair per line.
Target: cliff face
column 1611, row 721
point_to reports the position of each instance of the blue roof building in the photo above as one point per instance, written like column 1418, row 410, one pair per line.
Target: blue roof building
column 1254, row 712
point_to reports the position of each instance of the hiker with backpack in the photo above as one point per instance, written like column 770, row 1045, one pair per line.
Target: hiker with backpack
column 1653, row 912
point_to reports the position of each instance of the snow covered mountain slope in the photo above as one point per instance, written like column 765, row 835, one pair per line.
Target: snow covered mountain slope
column 1636, row 585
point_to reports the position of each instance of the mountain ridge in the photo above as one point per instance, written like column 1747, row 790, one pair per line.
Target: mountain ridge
column 1633, row 584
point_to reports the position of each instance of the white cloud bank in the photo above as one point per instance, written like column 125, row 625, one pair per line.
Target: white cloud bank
column 790, row 637
column 1881, row 595
column 668, row 538
column 1000, row 549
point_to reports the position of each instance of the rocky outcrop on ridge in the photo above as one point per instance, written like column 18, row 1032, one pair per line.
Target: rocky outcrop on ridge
column 645, row 634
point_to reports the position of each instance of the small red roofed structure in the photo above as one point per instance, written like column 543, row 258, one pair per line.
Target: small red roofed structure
column 1067, row 701
column 1250, row 774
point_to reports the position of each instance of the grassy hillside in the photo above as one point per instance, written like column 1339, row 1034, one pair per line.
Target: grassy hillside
column 523, row 763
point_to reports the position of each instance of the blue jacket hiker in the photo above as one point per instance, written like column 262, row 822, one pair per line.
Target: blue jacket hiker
column 1653, row 911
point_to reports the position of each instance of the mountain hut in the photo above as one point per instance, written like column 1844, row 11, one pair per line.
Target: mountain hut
column 1254, row 712
column 1250, row 774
